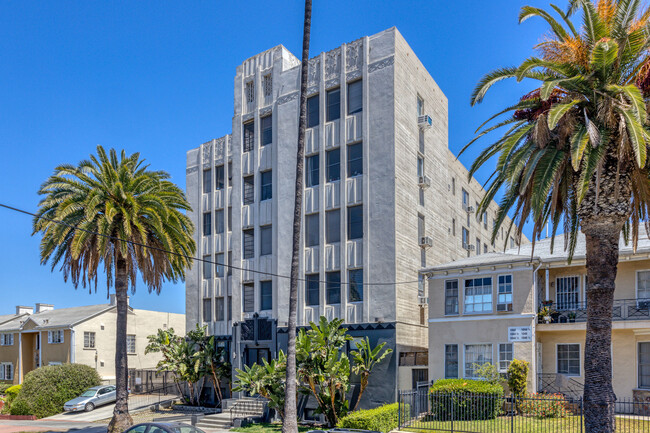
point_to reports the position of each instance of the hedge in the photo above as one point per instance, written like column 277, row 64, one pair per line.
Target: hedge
column 383, row 418
column 4, row 387
column 464, row 399
column 46, row 389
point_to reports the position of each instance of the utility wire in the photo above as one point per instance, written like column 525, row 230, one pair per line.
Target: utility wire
column 115, row 238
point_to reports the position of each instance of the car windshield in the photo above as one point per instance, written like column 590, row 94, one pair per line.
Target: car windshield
column 89, row 393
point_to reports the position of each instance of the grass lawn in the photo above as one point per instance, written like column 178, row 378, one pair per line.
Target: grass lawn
column 569, row 424
column 267, row 428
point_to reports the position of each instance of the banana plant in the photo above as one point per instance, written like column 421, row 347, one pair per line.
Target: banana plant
column 365, row 359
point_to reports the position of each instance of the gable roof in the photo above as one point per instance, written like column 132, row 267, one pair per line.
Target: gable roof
column 542, row 253
column 61, row 318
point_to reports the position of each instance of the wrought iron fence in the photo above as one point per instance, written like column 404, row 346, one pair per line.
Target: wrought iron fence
column 623, row 309
column 421, row 410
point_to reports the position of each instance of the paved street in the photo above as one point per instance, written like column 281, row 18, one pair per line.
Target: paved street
column 44, row 425
column 136, row 403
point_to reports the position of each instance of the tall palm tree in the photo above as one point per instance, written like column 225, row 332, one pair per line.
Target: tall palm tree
column 113, row 210
column 574, row 155
column 290, row 420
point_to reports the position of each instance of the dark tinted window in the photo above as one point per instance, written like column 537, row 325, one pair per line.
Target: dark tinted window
column 355, row 159
column 249, row 244
column 311, row 230
column 333, row 226
column 311, row 286
column 207, row 180
column 207, row 224
column 333, row 280
column 312, row 111
column 249, row 297
column 266, row 187
column 355, row 280
column 355, row 222
column 312, row 171
column 355, row 96
column 219, row 221
column 266, row 240
column 333, row 165
column 249, row 189
column 266, row 295
column 333, row 104
column 267, row 130
column 249, row 136
column 218, row 174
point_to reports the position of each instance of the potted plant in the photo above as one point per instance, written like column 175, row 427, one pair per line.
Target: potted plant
column 545, row 314
column 572, row 317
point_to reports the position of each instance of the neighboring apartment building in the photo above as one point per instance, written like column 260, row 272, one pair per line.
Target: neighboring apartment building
column 85, row 335
column 485, row 309
column 383, row 198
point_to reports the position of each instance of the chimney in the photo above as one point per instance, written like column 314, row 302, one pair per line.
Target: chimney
column 40, row 307
column 21, row 309
column 113, row 300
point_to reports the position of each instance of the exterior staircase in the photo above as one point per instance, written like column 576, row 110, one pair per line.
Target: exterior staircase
column 246, row 407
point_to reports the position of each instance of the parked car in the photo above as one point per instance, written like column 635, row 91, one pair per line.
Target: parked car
column 91, row 398
column 163, row 427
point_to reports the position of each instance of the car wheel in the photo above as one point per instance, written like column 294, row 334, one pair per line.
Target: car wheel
column 89, row 407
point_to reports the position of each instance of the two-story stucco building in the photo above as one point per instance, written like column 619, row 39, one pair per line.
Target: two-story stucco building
column 487, row 309
column 383, row 198
column 86, row 335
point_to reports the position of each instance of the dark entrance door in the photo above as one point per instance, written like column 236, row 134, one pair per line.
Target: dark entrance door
column 256, row 355
column 419, row 375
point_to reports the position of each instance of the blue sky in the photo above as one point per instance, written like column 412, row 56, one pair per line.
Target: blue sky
column 157, row 77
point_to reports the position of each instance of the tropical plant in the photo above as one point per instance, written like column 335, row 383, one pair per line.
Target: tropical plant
column 163, row 342
column 113, row 210
column 266, row 380
column 488, row 372
column 574, row 156
column 365, row 360
column 324, row 368
column 290, row 422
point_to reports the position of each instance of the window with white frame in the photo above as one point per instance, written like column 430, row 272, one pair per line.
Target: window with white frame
column 89, row 340
column 643, row 285
column 504, row 293
column 130, row 343
column 475, row 356
column 505, row 356
column 568, row 359
column 567, row 292
column 644, row 365
column 6, row 339
column 6, row 371
column 478, row 295
column 55, row 337
column 451, row 297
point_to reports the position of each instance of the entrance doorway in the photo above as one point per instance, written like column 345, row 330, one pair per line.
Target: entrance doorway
column 256, row 355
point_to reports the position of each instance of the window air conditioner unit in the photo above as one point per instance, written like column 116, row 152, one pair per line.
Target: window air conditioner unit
column 504, row 307
column 424, row 121
column 426, row 242
column 469, row 247
column 424, row 181
column 469, row 209
column 423, row 300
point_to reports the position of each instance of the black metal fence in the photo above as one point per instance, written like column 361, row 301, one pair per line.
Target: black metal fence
column 421, row 410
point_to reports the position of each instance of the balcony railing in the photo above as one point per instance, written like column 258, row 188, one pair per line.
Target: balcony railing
column 623, row 309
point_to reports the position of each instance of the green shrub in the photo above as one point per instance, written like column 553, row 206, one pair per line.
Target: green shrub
column 383, row 418
column 20, row 407
column 46, row 389
column 544, row 406
column 518, row 376
column 465, row 399
column 12, row 392
column 4, row 387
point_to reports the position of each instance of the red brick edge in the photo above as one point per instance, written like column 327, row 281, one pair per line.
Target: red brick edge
column 19, row 417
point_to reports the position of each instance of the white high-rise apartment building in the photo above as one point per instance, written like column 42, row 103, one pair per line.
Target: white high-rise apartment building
column 383, row 198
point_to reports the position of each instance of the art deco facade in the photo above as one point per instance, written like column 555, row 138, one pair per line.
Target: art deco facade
column 383, row 198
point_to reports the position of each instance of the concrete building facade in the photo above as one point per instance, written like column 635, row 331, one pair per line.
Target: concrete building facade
column 532, row 306
column 383, row 198
column 85, row 335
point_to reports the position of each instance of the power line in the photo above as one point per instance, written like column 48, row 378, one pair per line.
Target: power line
column 115, row 238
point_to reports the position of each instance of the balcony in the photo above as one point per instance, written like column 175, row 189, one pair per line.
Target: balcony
column 575, row 312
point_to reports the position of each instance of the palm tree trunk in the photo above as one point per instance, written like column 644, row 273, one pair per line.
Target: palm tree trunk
column 121, row 419
column 602, row 260
column 290, row 421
